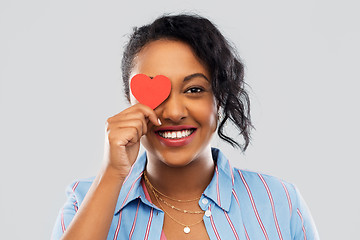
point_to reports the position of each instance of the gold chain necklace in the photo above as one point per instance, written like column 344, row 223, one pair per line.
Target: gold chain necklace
column 186, row 226
column 176, row 208
column 177, row 200
column 168, row 204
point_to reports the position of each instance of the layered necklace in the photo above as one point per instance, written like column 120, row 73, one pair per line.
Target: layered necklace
column 159, row 196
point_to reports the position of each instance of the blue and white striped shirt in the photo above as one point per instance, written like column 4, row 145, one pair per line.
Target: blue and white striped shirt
column 242, row 205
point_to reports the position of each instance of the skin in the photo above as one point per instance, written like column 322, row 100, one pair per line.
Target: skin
column 172, row 170
column 175, row 170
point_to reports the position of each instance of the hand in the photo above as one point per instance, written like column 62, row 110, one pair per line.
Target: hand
column 122, row 138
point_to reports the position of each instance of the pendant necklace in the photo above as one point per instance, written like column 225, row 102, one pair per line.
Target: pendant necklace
column 157, row 197
column 186, row 226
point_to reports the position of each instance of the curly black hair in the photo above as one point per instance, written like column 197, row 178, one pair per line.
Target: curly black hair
column 226, row 69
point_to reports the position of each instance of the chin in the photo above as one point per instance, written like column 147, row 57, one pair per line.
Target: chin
column 177, row 163
column 174, row 158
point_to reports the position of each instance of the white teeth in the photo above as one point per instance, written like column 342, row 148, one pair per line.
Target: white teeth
column 175, row 134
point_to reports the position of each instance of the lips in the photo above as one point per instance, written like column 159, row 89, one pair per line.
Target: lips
column 176, row 136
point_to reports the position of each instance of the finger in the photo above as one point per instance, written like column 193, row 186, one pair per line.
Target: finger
column 138, row 124
column 137, row 117
column 149, row 114
column 123, row 136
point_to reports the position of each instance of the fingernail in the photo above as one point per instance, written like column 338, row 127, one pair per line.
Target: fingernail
column 159, row 121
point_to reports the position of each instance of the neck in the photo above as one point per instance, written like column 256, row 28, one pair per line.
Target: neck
column 183, row 182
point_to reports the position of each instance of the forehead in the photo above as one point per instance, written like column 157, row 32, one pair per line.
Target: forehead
column 170, row 58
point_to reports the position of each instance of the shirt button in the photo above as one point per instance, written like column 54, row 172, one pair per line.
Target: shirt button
column 208, row 213
column 204, row 201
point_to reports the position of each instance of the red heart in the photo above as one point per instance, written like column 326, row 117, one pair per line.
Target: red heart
column 151, row 92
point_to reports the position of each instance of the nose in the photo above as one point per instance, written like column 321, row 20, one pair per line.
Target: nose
column 173, row 108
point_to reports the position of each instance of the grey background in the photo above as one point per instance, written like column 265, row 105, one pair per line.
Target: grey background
column 60, row 81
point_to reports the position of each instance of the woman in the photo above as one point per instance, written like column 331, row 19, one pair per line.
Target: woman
column 181, row 188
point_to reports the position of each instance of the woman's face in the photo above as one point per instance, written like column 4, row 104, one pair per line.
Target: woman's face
column 189, row 114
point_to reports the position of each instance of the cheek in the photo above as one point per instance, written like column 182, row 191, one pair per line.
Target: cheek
column 144, row 140
column 213, row 121
column 207, row 115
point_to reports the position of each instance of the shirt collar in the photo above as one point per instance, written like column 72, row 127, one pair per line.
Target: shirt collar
column 219, row 190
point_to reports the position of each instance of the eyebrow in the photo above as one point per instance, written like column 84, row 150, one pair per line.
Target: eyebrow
column 187, row 78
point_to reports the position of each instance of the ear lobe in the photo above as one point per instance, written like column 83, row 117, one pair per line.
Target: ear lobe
column 216, row 117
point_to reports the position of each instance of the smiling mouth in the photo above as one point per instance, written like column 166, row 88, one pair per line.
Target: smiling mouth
column 176, row 134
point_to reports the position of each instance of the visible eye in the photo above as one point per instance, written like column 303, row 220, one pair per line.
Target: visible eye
column 194, row 90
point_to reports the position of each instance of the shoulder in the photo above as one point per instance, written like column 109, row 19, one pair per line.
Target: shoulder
column 261, row 185
column 79, row 188
column 257, row 184
column 253, row 177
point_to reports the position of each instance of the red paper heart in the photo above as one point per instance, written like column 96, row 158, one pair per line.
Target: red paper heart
column 151, row 92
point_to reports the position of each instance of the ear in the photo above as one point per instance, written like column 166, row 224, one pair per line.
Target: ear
column 218, row 108
column 217, row 117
